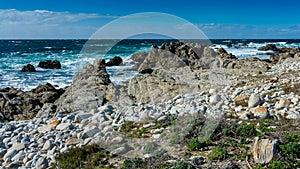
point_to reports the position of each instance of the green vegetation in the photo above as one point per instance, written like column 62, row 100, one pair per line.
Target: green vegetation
column 90, row 157
column 292, row 137
column 132, row 129
column 282, row 165
column 187, row 154
column 153, row 148
column 197, row 144
column 182, row 165
column 150, row 147
column 226, row 140
column 185, row 129
column 134, row 163
column 218, row 153
column 290, row 148
column 246, row 130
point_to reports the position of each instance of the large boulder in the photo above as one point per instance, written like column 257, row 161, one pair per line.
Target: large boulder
column 90, row 89
column 18, row 105
column 116, row 61
column 162, row 84
column 28, row 68
column 49, row 64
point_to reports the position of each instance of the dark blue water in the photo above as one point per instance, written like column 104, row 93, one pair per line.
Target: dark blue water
column 14, row 54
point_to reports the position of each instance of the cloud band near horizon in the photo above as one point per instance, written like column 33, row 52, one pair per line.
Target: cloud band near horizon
column 42, row 24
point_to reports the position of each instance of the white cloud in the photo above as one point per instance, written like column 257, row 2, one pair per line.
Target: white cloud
column 16, row 24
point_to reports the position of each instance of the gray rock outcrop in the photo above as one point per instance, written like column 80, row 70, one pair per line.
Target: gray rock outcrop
column 16, row 104
column 90, row 89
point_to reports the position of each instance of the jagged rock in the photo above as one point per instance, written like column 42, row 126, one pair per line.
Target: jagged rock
column 116, row 61
column 28, row 68
column 90, row 89
column 222, row 53
column 268, row 47
column 48, row 110
column 159, row 58
column 138, row 59
column 49, row 64
column 16, row 104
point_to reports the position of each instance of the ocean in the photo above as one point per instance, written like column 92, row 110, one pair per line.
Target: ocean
column 73, row 54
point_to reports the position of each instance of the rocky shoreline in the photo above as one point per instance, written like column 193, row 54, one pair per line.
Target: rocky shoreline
column 189, row 106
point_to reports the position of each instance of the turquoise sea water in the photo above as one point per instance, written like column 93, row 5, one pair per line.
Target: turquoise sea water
column 14, row 54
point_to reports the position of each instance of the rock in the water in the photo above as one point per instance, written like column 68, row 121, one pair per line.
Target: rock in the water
column 49, row 64
column 254, row 100
column 116, row 61
column 268, row 47
column 28, row 68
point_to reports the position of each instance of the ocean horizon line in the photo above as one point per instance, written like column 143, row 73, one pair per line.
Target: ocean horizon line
column 150, row 39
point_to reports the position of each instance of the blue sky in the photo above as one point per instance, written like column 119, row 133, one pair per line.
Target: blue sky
column 217, row 19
